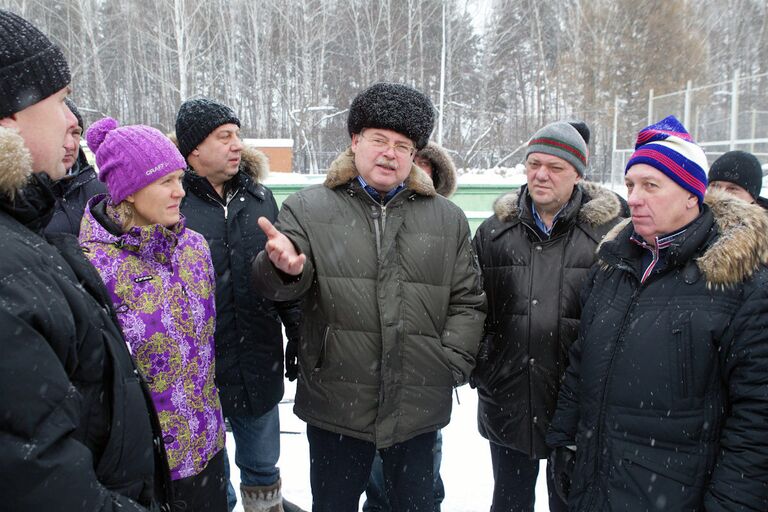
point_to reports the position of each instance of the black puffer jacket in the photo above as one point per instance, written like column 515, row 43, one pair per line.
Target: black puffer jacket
column 72, row 193
column 666, row 397
column 75, row 424
column 249, row 338
column 533, row 310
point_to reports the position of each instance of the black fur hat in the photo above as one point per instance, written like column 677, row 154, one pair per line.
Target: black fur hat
column 393, row 107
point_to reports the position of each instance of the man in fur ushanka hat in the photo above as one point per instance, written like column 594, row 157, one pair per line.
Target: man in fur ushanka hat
column 393, row 307
column 665, row 398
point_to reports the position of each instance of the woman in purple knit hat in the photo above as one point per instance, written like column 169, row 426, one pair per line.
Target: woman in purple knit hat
column 160, row 277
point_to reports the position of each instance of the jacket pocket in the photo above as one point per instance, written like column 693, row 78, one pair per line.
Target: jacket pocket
column 319, row 361
column 683, row 348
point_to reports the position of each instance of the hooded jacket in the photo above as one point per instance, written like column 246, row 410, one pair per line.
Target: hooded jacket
column 76, row 424
column 666, row 396
column 532, row 284
column 249, row 337
column 443, row 168
column 72, row 193
column 161, row 282
column 393, row 307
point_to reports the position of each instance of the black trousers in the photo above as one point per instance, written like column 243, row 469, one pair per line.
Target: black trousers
column 514, row 476
column 205, row 491
column 341, row 465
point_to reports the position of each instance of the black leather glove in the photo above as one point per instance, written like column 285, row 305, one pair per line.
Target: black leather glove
column 292, row 360
column 560, row 467
column 481, row 360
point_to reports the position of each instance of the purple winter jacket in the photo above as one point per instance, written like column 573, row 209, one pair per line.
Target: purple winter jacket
column 162, row 284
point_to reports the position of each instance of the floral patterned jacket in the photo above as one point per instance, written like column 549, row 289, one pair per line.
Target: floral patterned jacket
column 162, row 284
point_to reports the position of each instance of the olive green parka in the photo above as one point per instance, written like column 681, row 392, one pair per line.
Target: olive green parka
column 393, row 305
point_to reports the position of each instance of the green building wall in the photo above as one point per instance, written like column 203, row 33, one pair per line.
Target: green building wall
column 475, row 199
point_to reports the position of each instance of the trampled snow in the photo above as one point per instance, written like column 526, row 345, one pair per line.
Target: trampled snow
column 466, row 467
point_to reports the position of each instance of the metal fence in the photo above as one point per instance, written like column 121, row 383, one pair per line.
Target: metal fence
column 720, row 117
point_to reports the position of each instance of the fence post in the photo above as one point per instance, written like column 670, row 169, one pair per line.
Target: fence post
column 734, row 110
column 650, row 107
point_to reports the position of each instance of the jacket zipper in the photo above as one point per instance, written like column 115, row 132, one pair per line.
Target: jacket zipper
column 683, row 356
column 225, row 206
column 601, row 417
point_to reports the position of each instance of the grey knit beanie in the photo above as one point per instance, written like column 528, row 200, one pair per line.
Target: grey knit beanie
column 562, row 140
column 32, row 68
column 393, row 107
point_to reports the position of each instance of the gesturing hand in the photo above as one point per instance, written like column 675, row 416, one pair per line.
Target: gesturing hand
column 280, row 249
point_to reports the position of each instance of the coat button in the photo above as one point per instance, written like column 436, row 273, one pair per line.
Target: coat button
column 168, row 439
column 538, row 248
column 535, row 301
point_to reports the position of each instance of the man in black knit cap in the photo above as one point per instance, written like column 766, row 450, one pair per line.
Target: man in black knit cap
column 739, row 173
column 76, row 428
column 225, row 197
column 393, row 305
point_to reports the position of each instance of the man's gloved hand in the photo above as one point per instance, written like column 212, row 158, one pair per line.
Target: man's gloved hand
column 481, row 360
column 292, row 360
column 560, row 466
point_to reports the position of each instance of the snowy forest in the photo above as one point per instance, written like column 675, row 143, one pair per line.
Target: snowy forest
column 505, row 67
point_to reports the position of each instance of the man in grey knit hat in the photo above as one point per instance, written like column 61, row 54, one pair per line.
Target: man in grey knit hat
column 534, row 252
column 393, row 306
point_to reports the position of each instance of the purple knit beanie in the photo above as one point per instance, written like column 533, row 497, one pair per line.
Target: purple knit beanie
column 131, row 157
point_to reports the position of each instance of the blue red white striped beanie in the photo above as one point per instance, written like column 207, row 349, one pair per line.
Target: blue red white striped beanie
column 668, row 147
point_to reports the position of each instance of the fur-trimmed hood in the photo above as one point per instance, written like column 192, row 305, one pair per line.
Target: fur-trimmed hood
column 252, row 161
column 15, row 162
column 741, row 244
column 443, row 168
column 601, row 206
column 343, row 170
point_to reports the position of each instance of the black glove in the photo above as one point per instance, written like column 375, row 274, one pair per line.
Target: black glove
column 292, row 360
column 560, row 467
column 481, row 360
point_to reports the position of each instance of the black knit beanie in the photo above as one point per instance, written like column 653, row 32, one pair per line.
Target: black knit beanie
column 741, row 168
column 31, row 66
column 197, row 119
column 393, row 107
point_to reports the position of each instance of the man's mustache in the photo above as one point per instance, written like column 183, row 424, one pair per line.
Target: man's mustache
column 385, row 162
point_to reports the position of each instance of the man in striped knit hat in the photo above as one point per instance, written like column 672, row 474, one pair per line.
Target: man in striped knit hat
column 665, row 401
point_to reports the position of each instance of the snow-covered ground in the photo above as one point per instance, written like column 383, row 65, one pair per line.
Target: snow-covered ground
column 466, row 467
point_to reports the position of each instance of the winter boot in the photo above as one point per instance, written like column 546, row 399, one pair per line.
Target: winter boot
column 258, row 498
column 291, row 507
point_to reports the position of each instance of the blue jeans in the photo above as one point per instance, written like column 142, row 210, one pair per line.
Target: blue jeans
column 257, row 449
column 375, row 495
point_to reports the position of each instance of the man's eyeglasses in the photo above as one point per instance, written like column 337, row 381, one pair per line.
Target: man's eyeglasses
column 382, row 144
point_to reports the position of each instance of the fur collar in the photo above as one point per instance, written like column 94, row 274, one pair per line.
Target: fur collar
column 252, row 161
column 741, row 246
column 443, row 169
column 343, row 170
column 15, row 162
column 601, row 206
